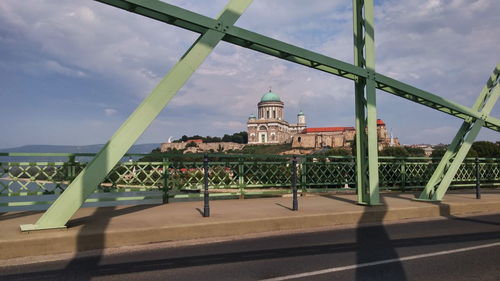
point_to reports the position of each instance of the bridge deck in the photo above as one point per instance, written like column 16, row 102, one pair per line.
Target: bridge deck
column 97, row 228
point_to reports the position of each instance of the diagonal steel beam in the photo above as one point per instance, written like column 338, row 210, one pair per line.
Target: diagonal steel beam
column 87, row 181
column 459, row 147
column 182, row 18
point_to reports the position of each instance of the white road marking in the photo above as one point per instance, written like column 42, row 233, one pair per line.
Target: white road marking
column 354, row 266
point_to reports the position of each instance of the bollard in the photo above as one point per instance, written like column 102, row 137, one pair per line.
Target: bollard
column 206, row 206
column 478, row 179
column 295, row 203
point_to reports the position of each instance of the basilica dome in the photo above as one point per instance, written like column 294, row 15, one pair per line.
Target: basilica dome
column 270, row 96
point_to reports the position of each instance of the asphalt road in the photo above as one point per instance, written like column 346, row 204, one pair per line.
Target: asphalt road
column 454, row 248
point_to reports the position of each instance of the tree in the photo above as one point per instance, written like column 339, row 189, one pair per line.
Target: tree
column 398, row 151
column 191, row 144
column 337, row 152
column 226, row 138
column 439, row 152
column 155, row 156
column 487, row 149
column 241, row 137
column 415, row 151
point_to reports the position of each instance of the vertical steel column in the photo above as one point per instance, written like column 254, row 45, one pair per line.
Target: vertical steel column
column 459, row 147
column 87, row 181
column 365, row 102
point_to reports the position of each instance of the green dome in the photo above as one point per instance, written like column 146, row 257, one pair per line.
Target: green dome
column 270, row 96
column 252, row 116
column 300, row 113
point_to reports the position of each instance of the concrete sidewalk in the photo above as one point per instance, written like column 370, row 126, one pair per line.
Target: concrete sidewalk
column 99, row 228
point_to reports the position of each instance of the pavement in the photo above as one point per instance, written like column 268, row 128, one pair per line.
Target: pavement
column 111, row 227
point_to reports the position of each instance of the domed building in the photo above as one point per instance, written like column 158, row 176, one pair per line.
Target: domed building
column 269, row 126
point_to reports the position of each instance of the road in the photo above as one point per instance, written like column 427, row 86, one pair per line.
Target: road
column 453, row 248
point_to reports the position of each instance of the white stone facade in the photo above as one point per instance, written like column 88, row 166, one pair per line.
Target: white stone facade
column 269, row 126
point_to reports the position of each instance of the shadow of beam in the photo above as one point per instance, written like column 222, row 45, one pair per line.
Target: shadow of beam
column 92, row 237
column 375, row 244
column 80, row 269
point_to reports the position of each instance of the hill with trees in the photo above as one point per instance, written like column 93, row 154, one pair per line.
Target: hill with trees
column 241, row 137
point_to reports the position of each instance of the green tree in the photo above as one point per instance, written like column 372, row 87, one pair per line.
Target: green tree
column 336, row 151
column 487, row 149
column 154, row 156
column 191, row 144
column 241, row 137
column 415, row 151
column 439, row 151
column 398, row 151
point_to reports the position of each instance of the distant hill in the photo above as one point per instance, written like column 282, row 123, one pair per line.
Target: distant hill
column 138, row 148
column 94, row 148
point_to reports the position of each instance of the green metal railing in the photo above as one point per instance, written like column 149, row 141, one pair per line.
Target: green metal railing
column 28, row 183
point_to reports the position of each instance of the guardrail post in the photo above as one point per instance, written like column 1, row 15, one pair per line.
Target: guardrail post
column 206, row 206
column 303, row 175
column 403, row 175
column 478, row 179
column 165, row 181
column 241, row 177
column 295, row 203
column 70, row 173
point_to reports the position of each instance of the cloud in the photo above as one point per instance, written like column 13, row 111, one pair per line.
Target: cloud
column 447, row 48
column 110, row 111
column 54, row 66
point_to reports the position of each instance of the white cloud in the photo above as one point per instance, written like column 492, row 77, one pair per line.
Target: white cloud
column 110, row 111
column 54, row 66
column 447, row 47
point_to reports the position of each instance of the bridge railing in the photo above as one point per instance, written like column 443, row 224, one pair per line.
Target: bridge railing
column 31, row 181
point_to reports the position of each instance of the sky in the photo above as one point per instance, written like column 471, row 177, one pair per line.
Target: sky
column 72, row 71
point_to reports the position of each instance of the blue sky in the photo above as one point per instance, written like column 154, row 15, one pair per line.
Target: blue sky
column 72, row 71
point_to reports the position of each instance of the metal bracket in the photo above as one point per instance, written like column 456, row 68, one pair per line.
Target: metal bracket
column 221, row 27
column 371, row 75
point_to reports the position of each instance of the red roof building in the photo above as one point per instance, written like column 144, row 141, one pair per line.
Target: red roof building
column 327, row 130
column 195, row 141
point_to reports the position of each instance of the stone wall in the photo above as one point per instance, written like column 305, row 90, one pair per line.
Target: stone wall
column 203, row 147
column 321, row 140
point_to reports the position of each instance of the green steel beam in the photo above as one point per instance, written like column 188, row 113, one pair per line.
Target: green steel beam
column 365, row 99
column 362, row 183
column 182, row 18
column 371, row 104
column 92, row 175
column 433, row 101
column 185, row 19
column 459, row 147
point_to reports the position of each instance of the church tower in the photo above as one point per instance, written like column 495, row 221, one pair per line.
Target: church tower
column 301, row 118
column 269, row 126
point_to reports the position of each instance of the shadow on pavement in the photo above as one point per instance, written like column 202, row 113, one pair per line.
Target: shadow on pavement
column 374, row 244
column 445, row 211
column 92, row 237
column 85, row 268
column 10, row 215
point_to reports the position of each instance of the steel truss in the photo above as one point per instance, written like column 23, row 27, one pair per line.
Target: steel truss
column 362, row 72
